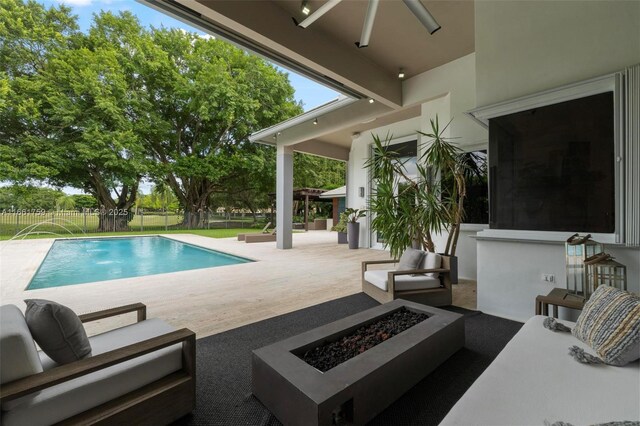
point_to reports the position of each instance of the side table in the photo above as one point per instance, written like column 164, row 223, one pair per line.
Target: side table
column 558, row 297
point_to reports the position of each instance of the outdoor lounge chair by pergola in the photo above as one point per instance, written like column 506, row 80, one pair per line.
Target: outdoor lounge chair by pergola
column 260, row 238
column 265, row 230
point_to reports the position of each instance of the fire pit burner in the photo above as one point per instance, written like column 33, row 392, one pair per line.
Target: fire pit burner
column 330, row 354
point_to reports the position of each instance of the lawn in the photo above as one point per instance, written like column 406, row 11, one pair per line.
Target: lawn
column 78, row 223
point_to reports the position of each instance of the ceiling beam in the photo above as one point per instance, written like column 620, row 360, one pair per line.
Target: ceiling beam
column 271, row 28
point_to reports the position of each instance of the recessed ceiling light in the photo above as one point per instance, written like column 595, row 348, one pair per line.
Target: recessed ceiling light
column 371, row 100
column 401, row 73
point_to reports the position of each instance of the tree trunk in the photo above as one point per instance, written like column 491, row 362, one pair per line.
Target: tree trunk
column 113, row 215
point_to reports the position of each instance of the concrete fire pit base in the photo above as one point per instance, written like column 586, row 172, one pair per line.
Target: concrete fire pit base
column 355, row 391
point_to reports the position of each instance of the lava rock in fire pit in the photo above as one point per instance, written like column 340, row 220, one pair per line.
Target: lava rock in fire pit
column 331, row 354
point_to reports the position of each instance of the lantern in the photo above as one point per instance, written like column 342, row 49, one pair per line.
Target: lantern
column 603, row 270
column 577, row 249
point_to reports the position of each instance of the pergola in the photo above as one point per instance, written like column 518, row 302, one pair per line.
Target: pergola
column 306, row 195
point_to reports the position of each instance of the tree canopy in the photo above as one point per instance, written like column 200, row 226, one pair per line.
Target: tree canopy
column 102, row 110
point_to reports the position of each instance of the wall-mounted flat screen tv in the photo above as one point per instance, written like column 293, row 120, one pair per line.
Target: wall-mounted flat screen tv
column 552, row 168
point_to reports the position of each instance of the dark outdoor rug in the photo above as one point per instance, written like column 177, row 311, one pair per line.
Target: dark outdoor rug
column 224, row 367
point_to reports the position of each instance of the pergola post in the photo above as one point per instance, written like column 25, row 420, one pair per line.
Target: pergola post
column 284, row 197
column 306, row 212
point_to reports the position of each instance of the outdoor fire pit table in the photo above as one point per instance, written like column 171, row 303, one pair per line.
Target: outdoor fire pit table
column 358, row 389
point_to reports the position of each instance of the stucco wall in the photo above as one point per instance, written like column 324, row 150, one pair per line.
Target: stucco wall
column 524, row 47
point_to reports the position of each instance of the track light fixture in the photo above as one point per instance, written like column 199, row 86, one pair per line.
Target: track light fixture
column 315, row 121
column 423, row 15
column 305, row 7
column 401, row 73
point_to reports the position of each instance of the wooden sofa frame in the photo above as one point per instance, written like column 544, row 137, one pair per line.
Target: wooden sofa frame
column 441, row 296
column 160, row 402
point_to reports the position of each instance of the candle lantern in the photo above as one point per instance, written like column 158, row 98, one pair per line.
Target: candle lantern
column 577, row 249
column 603, row 270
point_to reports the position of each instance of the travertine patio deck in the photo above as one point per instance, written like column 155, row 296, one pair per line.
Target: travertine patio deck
column 211, row 300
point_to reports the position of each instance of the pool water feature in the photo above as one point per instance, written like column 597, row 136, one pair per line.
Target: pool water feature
column 79, row 261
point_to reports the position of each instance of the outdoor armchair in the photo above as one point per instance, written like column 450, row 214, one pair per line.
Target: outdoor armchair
column 428, row 284
column 141, row 374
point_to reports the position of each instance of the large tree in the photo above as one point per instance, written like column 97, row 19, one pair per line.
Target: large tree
column 102, row 110
column 208, row 97
column 73, row 105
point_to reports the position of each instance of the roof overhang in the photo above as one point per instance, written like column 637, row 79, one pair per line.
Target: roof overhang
column 325, row 52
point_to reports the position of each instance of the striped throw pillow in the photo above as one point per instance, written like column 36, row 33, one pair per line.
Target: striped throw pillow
column 610, row 324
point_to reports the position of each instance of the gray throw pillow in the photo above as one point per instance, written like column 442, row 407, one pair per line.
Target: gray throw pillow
column 57, row 330
column 410, row 259
column 610, row 324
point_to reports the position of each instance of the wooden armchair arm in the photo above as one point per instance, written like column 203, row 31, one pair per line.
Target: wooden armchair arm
column 57, row 375
column 106, row 313
column 417, row 271
column 391, row 279
column 375, row 262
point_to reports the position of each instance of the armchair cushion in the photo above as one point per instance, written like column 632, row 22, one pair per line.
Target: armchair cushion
column 75, row 396
column 431, row 261
column 58, row 331
column 18, row 354
column 410, row 259
column 379, row 278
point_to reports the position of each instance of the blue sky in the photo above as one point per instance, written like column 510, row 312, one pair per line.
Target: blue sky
column 309, row 92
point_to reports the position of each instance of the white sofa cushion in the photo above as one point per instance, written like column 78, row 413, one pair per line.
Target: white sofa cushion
column 431, row 261
column 75, row 396
column 402, row 282
column 18, row 353
column 534, row 379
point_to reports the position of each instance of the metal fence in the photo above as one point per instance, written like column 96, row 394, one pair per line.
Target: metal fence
column 20, row 222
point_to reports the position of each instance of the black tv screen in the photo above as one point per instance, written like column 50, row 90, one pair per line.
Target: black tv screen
column 552, row 168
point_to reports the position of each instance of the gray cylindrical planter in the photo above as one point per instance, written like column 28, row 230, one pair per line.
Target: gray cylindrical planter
column 342, row 238
column 353, row 234
column 453, row 268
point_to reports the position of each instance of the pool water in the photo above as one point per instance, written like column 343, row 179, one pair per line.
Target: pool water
column 82, row 261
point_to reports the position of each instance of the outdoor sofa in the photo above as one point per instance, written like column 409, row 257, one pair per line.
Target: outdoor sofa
column 534, row 380
column 141, row 374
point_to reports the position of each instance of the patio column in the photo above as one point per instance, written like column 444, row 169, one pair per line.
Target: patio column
column 284, row 197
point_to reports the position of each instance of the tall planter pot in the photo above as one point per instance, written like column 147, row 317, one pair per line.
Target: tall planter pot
column 453, row 268
column 353, row 234
column 342, row 238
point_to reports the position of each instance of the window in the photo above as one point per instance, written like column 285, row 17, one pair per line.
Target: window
column 552, row 168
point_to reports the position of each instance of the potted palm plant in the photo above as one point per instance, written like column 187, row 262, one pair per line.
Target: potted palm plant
column 341, row 228
column 353, row 227
column 409, row 210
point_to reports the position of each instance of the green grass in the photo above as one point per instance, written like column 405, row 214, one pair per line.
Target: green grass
column 66, row 223
column 212, row 233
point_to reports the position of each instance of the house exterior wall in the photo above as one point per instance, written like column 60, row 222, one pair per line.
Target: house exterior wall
column 524, row 48
column 447, row 91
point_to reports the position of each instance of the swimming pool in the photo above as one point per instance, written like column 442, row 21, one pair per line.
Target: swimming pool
column 88, row 260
